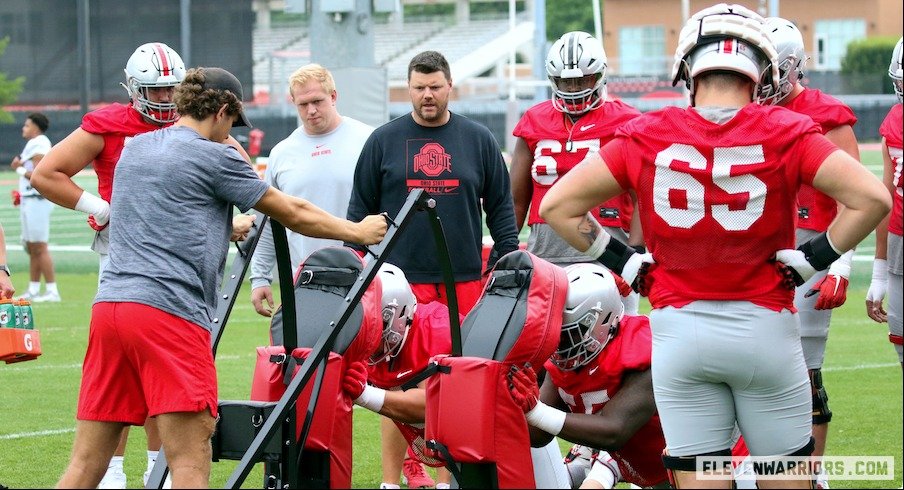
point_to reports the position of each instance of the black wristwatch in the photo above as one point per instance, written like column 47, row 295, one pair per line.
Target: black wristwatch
column 5, row 269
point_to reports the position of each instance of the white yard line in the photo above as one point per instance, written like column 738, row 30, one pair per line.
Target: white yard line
column 40, row 433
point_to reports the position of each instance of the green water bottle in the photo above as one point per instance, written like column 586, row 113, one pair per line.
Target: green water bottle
column 7, row 313
column 26, row 315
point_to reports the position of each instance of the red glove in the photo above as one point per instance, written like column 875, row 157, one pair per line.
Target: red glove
column 832, row 291
column 624, row 288
column 355, row 379
column 17, row 197
column 644, row 281
column 522, row 384
column 789, row 277
column 93, row 224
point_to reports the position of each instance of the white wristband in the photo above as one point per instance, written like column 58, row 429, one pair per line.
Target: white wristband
column 90, row 204
column 21, row 171
column 372, row 398
column 842, row 266
column 599, row 245
column 604, row 470
column 546, row 418
column 880, row 271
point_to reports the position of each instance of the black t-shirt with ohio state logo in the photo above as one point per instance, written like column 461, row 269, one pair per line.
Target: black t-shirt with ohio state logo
column 461, row 166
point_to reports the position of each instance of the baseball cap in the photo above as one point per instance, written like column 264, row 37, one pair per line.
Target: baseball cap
column 220, row 79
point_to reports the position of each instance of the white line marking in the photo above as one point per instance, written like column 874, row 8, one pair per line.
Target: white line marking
column 40, row 433
column 861, row 366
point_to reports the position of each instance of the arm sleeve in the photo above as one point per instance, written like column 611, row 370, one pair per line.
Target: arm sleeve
column 264, row 257
column 497, row 201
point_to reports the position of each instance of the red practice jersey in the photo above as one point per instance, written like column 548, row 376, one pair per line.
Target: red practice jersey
column 718, row 200
column 117, row 124
column 817, row 210
column 557, row 148
column 428, row 336
column 588, row 389
column 891, row 130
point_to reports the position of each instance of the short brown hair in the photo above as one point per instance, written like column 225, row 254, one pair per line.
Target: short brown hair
column 429, row 62
column 194, row 101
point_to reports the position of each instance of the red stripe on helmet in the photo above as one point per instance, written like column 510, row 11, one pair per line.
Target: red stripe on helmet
column 727, row 46
column 165, row 65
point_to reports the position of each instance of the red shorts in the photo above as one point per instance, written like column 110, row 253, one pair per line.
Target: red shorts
column 467, row 292
column 142, row 361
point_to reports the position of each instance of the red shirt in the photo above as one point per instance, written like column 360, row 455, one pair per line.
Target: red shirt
column 891, row 130
column 588, row 389
column 117, row 124
column 428, row 336
column 817, row 210
column 717, row 200
column 544, row 130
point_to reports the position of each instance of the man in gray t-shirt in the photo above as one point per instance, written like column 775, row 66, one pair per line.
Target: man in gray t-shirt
column 149, row 344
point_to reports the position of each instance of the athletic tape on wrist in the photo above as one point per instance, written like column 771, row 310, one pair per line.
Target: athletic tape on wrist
column 880, row 270
column 21, row 171
column 599, row 245
column 842, row 266
column 372, row 398
column 90, row 204
column 546, row 418
column 820, row 252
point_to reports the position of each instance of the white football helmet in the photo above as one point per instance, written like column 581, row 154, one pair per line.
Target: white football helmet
column 576, row 66
column 399, row 305
column 895, row 72
column 153, row 65
column 727, row 38
column 593, row 310
column 791, row 58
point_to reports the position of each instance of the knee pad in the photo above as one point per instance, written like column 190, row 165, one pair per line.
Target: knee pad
column 821, row 412
column 763, row 468
column 689, row 463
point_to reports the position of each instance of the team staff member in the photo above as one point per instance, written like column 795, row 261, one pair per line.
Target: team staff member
column 459, row 163
column 717, row 200
column 154, row 308
column 317, row 163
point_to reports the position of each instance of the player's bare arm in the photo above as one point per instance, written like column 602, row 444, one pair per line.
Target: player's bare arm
column 53, row 178
column 302, row 216
column 622, row 416
column 522, row 187
column 566, row 204
column 875, row 296
column 550, row 396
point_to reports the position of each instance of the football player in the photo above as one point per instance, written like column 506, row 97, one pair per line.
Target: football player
column 826, row 289
column 555, row 135
column 598, row 391
column 716, row 185
column 888, row 267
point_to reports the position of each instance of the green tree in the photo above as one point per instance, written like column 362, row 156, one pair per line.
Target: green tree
column 568, row 15
column 865, row 65
column 9, row 89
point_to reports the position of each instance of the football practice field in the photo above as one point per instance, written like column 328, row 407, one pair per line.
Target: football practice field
column 38, row 398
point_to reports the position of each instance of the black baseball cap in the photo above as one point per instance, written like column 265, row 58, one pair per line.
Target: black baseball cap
column 220, row 79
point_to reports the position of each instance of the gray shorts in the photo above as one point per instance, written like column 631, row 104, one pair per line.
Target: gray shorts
column 895, row 299
column 814, row 324
column 717, row 363
column 35, row 216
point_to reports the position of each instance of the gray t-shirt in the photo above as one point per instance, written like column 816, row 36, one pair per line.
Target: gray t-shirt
column 171, row 219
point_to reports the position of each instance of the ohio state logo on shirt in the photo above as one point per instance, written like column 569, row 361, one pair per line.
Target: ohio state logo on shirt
column 432, row 160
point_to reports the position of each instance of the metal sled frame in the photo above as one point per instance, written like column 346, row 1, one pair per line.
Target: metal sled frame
column 282, row 419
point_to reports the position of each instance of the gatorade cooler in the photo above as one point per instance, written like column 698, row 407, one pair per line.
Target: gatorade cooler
column 18, row 339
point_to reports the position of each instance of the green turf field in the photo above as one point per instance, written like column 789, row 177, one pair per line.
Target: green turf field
column 38, row 398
